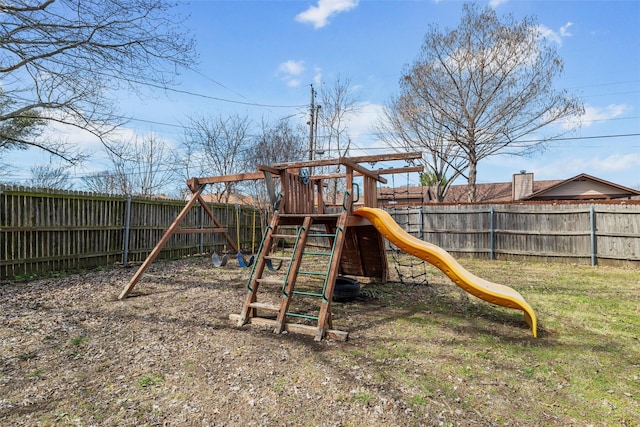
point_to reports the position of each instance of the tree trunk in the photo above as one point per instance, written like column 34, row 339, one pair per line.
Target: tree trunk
column 471, row 183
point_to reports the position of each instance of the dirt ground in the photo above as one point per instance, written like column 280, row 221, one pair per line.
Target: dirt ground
column 72, row 354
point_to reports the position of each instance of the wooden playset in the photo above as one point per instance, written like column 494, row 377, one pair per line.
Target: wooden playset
column 355, row 246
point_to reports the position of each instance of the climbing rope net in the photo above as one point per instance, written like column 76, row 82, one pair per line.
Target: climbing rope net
column 410, row 270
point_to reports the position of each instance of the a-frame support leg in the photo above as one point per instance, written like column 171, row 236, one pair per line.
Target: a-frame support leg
column 163, row 241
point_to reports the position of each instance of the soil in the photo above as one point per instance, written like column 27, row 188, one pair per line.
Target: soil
column 73, row 354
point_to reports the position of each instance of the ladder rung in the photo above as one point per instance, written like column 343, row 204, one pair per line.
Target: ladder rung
column 264, row 306
column 308, row 294
column 269, row 282
column 304, row 316
column 313, row 273
column 321, row 235
column 316, row 253
column 283, row 236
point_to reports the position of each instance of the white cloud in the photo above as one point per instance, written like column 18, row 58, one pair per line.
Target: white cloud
column 361, row 123
column 290, row 71
column 360, row 129
column 495, row 3
column 291, row 67
column 317, row 78
column 595, row 114
column 79, row 140
column 552, row 35
column 564, row 30
column 319, row 15
column 571, row 166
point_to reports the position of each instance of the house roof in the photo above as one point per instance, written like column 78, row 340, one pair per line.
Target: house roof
column 580, row 187
column 595, row 188
column 493, row 192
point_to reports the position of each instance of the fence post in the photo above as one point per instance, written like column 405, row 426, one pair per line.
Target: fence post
column 127, row 230
column 492, row 234
column 592, row 222
column 421, row 223
column 201, row 227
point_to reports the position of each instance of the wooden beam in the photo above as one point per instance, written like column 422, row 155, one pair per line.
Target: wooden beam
column 200, row 230
column 361, row 169
column 250, row 176
column 388, row 171
column 406, row 169
column 387, row 157
column 361, row 159
column 266, row 168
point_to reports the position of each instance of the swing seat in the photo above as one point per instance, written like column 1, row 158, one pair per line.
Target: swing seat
column 270, row 265
column 218, row 261
column 243, row 262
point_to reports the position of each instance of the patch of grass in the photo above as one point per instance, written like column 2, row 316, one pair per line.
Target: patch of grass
column 150, row 380
column 78, row 341
column 38, row 373
column 436, row 343
column 25, row 357
column 363, row 397
column 418, row 400
column 280, row 385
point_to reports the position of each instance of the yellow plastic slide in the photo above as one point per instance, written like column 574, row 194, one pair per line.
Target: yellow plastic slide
column 483, row 289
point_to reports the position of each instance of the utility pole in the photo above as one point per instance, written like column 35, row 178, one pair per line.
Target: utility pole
column 312, row 121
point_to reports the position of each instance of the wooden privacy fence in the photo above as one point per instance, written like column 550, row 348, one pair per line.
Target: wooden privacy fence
column 592, row 234
column 45, row 230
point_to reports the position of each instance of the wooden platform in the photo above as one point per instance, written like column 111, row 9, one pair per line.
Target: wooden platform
column 363, row 254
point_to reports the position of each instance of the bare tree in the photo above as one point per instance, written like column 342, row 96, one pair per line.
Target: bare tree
column 50, row 176
column 107, row 182
column 339, row 102
column 142, row 166
column 150, row 166
column 278, row 142
column 60, row 62
column 483, row 87
column 406, row 129
column 216, row 146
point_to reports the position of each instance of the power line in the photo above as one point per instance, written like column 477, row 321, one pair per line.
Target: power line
column 200, row 95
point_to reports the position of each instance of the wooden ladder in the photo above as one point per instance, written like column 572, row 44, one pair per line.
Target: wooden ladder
column 286, row 286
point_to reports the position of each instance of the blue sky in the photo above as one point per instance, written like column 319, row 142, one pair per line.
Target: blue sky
column 258, row 58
